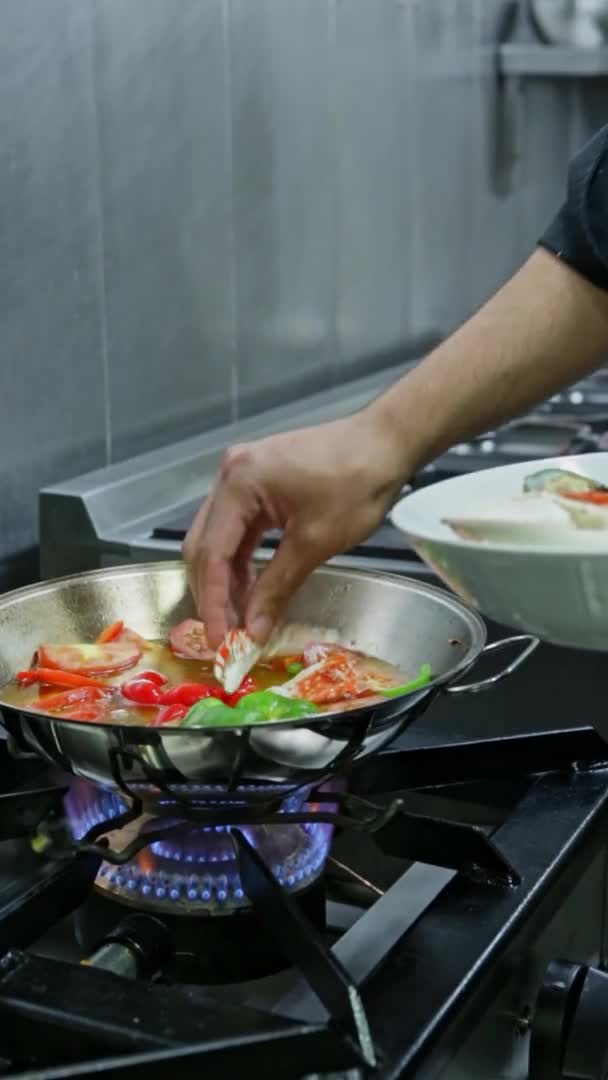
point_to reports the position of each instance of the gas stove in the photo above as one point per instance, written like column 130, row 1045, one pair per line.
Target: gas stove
column 441, row 914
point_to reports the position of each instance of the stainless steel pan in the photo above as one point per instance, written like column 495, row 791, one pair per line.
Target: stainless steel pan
column 400, row 620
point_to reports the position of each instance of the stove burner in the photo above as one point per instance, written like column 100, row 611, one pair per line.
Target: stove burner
column 195, row 871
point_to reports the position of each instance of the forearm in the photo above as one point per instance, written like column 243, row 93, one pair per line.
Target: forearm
column 544, row 329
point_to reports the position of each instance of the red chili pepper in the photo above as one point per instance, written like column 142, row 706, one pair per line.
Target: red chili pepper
column 247, row 687
column 141, row 691
column 169, row 714
column 56, row 677
column 111, row 633
column 189, row 693
column 154, row 677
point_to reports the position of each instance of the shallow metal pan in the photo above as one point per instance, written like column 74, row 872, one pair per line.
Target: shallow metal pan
column 397, row 619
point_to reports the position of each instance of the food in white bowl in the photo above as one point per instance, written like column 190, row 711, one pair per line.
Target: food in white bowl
column 552, row 502
column 525, row 546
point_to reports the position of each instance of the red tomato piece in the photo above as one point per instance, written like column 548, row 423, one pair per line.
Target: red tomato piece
column 90, row 659
column 247, row 687
column 154, row 677
column 188, row 694
column 87, row 703
column 189, row 639
column 171, row 714
column 87, row 714
column 141, row 692
column 111, row 633
column 62, row 698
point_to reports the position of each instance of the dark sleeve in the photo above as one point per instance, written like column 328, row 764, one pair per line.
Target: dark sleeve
column 579, row 233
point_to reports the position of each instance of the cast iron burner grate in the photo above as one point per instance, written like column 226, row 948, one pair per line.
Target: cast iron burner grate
column 194, row 870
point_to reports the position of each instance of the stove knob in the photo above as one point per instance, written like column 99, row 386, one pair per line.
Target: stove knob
column 139, row 947
column 552, row 1005
column 586, row 1051
column 569, row 1036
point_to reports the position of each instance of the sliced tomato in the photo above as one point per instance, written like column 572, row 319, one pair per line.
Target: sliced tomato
column 86, row 703
column 54, row 677
column 111, row 632
column 67, row 698
column 87, row 714
column 189, row 639
column 90, row 659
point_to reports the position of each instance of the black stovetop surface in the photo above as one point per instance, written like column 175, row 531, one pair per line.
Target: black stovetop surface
column 478, row 831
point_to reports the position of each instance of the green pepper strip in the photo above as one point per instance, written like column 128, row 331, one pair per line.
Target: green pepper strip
column 423, row 678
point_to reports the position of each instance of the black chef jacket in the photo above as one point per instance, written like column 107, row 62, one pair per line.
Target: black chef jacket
column 579, row 234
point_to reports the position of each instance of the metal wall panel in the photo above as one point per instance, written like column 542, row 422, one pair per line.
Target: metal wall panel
column 165, row 197
column 211, row 206
column 375, row 155
column 513, row 205
column 443, row 53
column 52, row 414
column 284, row 216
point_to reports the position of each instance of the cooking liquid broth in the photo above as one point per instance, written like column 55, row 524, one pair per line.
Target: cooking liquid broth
column 158, row 656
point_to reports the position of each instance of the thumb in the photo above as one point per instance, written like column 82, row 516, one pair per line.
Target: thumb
column 295, row 558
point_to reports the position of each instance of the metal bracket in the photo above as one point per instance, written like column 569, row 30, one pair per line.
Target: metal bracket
column 303, row 946
column 22, row 811
column 454, row 845
column 46, row 896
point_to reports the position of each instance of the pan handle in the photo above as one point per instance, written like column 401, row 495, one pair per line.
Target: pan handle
column 530, row 644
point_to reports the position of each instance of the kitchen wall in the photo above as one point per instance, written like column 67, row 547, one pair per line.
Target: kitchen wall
column 210, row 206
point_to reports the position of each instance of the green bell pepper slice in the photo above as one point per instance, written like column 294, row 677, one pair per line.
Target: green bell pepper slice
column 424, row 677
column 210, row 713
column 264, row 705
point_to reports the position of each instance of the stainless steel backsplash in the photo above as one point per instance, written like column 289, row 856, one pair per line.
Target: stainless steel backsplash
column 211, row 206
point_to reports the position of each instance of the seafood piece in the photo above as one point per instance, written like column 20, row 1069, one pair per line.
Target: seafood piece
column 235, row 658
column 317, row 650
column 535, row 518
column 331, row 679
column 295, row 638
column 560, row 482
column 338, row 675
column 238, row 653
column 585, row 514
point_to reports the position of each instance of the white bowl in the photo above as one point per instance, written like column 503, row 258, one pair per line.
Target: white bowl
column 541, row 575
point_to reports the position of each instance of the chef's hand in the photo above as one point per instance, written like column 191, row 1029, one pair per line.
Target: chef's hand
column 326, row 487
